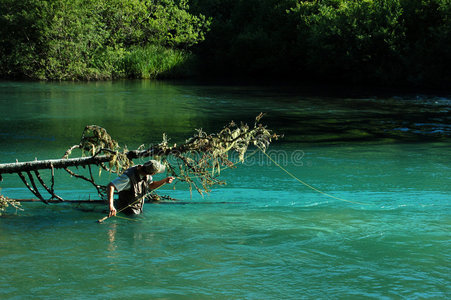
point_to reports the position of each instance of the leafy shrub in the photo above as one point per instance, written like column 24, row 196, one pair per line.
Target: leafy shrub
column 89, row 39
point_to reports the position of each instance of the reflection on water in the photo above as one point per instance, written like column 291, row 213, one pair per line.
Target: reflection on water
column 112, row 238
column 136, row 112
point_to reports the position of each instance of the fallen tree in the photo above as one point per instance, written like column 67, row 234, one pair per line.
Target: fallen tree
column 198, row 161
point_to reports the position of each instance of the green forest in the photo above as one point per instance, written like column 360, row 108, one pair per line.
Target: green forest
column 392, row 42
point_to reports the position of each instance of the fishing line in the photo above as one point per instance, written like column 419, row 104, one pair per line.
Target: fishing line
column 308, row 185
column 125, row 218
column 270, row 158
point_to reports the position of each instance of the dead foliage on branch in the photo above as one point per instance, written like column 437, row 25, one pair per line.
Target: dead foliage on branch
column 5, row 202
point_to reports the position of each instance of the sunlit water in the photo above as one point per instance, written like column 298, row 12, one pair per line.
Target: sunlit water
column 264, row 235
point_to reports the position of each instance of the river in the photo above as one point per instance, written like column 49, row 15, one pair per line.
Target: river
column 358, row 205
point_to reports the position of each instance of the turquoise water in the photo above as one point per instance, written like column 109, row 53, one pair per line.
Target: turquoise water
column 262, row 236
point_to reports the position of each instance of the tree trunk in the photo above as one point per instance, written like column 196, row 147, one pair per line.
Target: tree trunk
column 52, row 163
column 81, row 161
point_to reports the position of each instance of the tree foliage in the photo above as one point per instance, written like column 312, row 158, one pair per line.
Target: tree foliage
column 368, row 41
column 90, row 39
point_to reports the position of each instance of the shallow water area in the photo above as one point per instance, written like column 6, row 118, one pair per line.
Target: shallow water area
column 384, row 233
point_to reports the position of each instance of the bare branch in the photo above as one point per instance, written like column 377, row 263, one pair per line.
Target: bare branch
column 50, row 191
column 37, row 194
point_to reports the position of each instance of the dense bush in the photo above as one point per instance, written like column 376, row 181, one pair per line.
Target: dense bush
column 94, row 39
